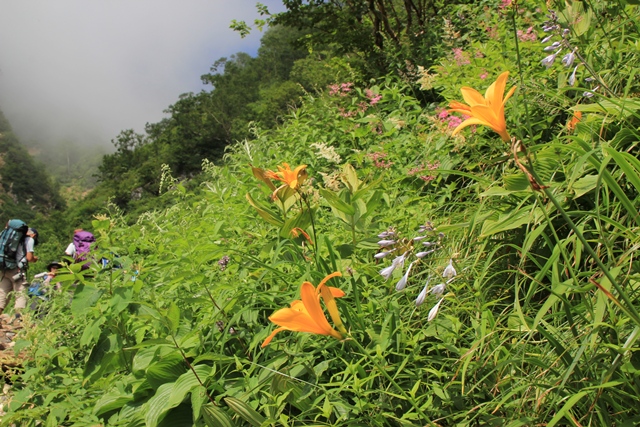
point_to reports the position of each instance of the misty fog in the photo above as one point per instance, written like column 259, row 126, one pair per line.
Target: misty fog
column 82, row 71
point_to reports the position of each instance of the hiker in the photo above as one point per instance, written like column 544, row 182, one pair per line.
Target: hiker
column 42, row 281
column 40, row 286
column 80, row 247
column 17, row 243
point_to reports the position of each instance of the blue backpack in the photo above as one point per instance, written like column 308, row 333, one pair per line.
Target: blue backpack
column 10, row 240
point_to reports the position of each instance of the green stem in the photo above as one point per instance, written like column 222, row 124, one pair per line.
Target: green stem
column 514, row 7
column 392, row 381
column 313, row 227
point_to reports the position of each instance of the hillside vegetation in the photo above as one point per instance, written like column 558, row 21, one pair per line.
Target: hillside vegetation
column 438, row 241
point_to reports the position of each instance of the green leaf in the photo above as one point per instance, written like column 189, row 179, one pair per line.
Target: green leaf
column 215, row 416
column 566, row 408
column 266, row 214
column 92, row 332
column 111, row 401
column 173, row 318
column 84, row 297
column 187, row 382
column 158, row 405
column 584, row 185
column 167, row 369
column 245, row 411
column 336, row 203
column 509, row 221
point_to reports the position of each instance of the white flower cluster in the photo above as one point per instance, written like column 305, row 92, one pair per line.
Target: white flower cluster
column 426, row 242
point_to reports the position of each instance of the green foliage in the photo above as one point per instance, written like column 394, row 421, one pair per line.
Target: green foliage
column 537, row 325
column 26, row 188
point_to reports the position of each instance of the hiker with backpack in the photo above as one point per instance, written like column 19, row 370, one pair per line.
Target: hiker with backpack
column 80, row 247
column 17, row 242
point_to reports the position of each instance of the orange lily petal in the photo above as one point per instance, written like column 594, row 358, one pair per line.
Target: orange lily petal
column 472, row 96
column 295, row 320
column 312, row 304
column 496, row 90
column 459, row 107
column 506, row 98
column 270, row 337
column 487, row 111
column 337, row 293
column 332, row 307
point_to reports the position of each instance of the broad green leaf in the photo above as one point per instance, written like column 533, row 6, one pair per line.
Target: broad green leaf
column 187, row 382
column 245, row 411
column 266, row 214
column 214, row 416
column 173, row 318
column 336, row 203
column 92, row 332
column 158, row 405
column 110, row 401
column 167, row 369
column 584, row 185
column 84, row 297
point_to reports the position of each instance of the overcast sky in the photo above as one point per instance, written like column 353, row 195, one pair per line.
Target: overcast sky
column 87, row 69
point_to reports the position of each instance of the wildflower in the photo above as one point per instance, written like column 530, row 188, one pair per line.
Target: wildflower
column 386, row 242
column 386, row 234
column 460, row 57
column 588, row 94
column 402, row 283
column 434, row 311
column 306, row 315
column 292, row 179
column 577, row 116
column 568, row 59
column 397, row 262
column 222, row 262
column 438, row 290
column 549, row 60
column 425, row 253
column 418, row 238
column 381, row 255
column 449, row 271
column 423, row 294
column 572, row 77
column 546, row 39
column 427, row 244
column 487, row 111
column 553, row 46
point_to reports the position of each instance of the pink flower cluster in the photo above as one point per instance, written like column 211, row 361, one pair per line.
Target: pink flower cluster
column 342, row 89
column 373, row 98
column 504, row 4
column 460, row 57
column 378, row 159
column 528, row 35
column 423, row 167
column 451, row 121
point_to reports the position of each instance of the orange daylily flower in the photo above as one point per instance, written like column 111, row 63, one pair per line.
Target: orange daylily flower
column 577, row 116
column 487, row 110
column 292, row 178
column 306, row 315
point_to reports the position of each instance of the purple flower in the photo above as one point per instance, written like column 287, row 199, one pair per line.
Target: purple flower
column 568, row 59
column 572, row 77
column 548, row 61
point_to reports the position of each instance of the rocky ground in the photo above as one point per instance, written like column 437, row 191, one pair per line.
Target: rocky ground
column 9, row 361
